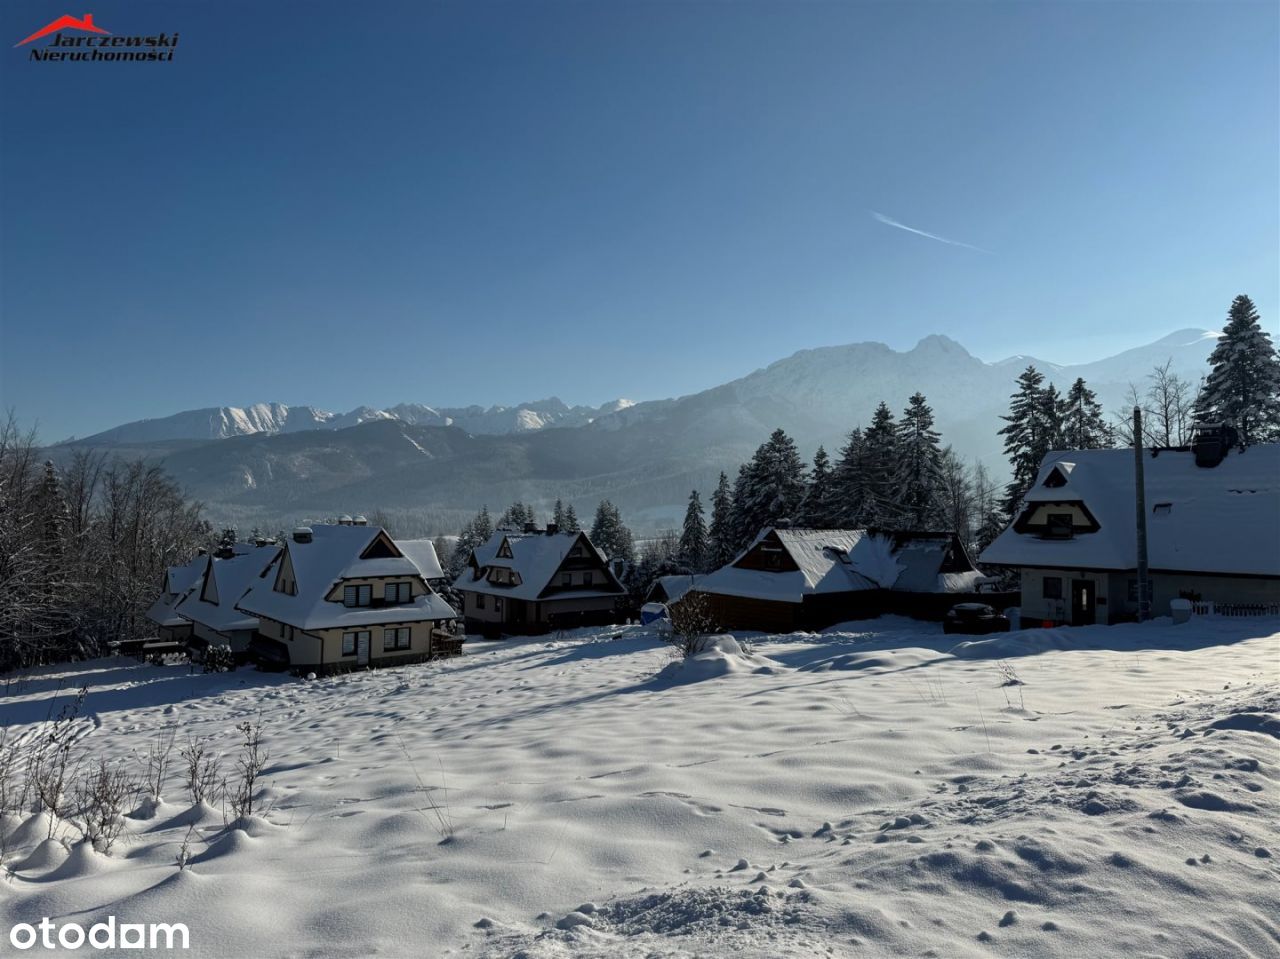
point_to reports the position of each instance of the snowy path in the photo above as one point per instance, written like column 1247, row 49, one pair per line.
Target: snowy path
column 867, row 791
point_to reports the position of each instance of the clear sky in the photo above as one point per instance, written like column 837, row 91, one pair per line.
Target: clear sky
column 349, row 203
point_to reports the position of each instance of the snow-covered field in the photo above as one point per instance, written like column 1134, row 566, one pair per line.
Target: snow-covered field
column 874, row 790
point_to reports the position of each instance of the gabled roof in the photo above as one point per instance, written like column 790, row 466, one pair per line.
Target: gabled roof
column 535, row 558
column 422, row 552
column 227, row 579
column 177, row 581
column 675, row 585
column 335, row 553
column 844, row 560
column 1223, row 519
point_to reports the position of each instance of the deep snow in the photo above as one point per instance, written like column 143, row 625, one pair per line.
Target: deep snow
column 873, row 790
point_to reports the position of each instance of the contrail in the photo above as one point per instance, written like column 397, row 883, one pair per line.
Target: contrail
column 889, row 221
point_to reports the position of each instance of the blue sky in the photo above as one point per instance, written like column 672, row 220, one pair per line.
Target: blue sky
column 339, row 204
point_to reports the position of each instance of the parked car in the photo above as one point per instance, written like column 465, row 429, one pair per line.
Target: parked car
column 974, row 619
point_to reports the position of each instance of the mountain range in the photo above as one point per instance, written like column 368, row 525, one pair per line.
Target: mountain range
column 272, row 464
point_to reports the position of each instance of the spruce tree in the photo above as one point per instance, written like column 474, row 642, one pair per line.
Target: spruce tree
column 571, row 524
column 693, row 548
column 720, row 540
column 818, row 506
column 769, row 488
column 1084, row 427
column 1243, row 386
column 918, row 481
column 557, row 514
column 852, row 499
column 1028, row 435
column 610, row 535
column 881, row 467
column 482, row 525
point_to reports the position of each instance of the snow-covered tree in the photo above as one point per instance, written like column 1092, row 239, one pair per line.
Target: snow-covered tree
column 518, row 514
column 989, row 518
column 852, row 498
column 769, row 488
column 1243, row 386
column 693, row 547
column 880, row 466
column 818, row 508
column 1084, row 427
column 1028, row 435
column 557, row 514
column 571, row 524
column 610, row 535
column 918, row 480
column 720, row 539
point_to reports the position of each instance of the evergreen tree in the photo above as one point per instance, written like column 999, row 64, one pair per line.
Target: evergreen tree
column 852, row 499
column 919, row 468
column 571, row 524
column 557, row 514
column 1053, row 410
column 693, row 548
column 720, row 541
column 988, row 515
column 610, row 535
column 482, row 525
column 1243, row 386
column 816, row 512
column 769, row 488
column 518, row 514
column 880, row 465
column 1084, row 427
column 1028, row 435
column 444, row 551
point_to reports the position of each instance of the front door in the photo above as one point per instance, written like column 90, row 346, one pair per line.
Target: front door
column 1083, row 602
column 362, row 648
column 518, row 611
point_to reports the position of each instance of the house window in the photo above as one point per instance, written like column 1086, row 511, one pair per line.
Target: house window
column 397, row 592
column 1162, row 509
column 1052, row 588
column 348, row 644
column 479, row 600
column 286, row 631
column 1059, row 525
column 566, row 579
column 395, row 639
column 587, row 579
column 357, row 595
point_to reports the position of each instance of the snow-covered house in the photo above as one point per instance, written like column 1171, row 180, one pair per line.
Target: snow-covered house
column 178, row 580
column 671, row 589
column 535, row 581
column 209, row 605
column 790, row 579
column 1213, row 533
column 347, row 596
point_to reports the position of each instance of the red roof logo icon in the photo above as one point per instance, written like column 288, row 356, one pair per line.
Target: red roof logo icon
column 66, row 22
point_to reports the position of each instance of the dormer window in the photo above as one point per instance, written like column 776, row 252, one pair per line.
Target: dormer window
column 1059, row 526
column 576, row 551
column 1162, row 509
column 504, row 551
column 397, row 592
column 1055, row 479
column 357, row 595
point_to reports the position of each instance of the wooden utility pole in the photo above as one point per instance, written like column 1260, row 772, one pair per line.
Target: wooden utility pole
column 1144, row 592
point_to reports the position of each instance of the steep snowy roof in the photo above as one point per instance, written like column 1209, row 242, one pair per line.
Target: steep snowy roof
column 845, row 560
column 423, row 554
column 334, row 554
column 676, row 585
column 535, row 557
column 1224, row 519
column 177, row 581
column 230, row 579
column 828, row 561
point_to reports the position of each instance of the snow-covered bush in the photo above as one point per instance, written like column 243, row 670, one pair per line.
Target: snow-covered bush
column 101, row 794
column 219, row 659
column 691, row 620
